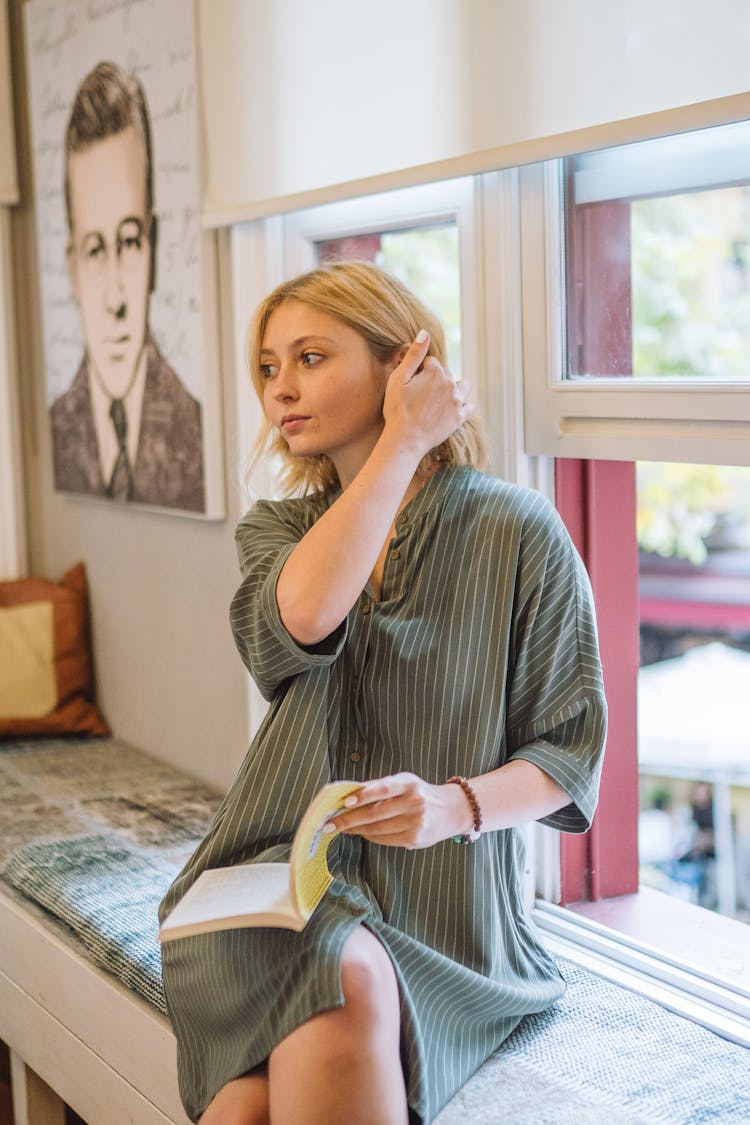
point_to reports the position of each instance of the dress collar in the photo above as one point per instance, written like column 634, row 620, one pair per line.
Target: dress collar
column 429, row 496
column 431, row 493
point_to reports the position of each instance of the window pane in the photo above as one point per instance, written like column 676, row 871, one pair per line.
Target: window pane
column 693, row 525
column 691, row 284
column 658, row 258
column 425, row 259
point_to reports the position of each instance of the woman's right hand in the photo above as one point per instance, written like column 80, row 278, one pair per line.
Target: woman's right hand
column 423, row 405
column 328, row 569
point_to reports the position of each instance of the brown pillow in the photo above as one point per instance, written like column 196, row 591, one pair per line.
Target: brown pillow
column 46, row 672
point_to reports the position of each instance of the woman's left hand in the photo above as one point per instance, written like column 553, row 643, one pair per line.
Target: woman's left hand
column 404, row 811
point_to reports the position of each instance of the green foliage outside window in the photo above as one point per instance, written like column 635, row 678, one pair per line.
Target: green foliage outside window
column 690, row 258
column 685, row 510
column 426, row 259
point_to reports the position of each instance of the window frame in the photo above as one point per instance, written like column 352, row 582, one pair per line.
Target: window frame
column 664, row 165
column 597, row 501
column 606, row 417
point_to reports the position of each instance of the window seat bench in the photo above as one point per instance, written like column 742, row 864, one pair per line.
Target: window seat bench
column 84, row 1020
column 91, row 834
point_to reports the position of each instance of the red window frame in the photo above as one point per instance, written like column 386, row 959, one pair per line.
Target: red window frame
column 597, row 500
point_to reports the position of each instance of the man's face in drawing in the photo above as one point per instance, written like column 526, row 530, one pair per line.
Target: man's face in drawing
column 109, row 257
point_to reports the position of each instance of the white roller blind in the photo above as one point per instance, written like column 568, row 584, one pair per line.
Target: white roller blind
column 8, row 172
column 306, row 103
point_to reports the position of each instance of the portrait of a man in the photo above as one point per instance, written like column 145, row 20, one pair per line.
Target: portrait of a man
column 126, row 428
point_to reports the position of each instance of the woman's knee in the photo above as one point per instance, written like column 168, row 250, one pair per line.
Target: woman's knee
column 243, row 1101
column 368, row 979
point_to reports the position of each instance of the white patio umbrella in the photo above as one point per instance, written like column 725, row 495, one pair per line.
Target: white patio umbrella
column 694, row 722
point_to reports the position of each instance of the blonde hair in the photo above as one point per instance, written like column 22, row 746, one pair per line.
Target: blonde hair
column 388, row 316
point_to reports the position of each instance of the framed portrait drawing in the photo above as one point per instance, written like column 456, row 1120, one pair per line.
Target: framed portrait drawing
column 126, row 274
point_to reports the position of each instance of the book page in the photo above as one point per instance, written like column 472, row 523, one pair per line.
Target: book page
column 310, row 876
column 224, row 894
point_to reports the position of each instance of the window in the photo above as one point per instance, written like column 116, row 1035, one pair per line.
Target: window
column 495, row 247
column 660, row 233
column 425, row 258
column 515, row 333
column 650, row 357
column 694, row 593
column 652, row 292
column 423, row 235
column 638, row 258
column 690, row 270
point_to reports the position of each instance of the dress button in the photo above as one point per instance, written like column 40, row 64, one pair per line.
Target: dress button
column 395, row 554
column 366, row 608
column 403, row 520
column 355, row 757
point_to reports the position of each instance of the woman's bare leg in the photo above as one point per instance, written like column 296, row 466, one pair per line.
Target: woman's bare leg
column 344, row 1065
column 243, row 1101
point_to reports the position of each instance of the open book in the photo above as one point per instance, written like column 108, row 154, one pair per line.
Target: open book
column 265, row 894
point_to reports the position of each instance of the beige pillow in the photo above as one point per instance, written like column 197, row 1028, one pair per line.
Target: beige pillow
column 46, row 673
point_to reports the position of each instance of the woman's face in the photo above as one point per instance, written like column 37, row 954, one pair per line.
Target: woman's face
column 323, row 389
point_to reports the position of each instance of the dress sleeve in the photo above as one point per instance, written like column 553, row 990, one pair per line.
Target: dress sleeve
column 265, row 538
column 557, row 712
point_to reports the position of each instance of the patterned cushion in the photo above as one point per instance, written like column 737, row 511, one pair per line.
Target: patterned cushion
column 108, row 895
column 93, row 831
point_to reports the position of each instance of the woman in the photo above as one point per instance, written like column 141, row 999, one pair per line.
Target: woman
column 427, row 630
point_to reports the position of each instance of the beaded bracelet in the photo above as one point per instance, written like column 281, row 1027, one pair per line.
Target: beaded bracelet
column 476, row 812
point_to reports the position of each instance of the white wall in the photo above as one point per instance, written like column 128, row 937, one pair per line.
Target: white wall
column 299, row 96
column 304, row 101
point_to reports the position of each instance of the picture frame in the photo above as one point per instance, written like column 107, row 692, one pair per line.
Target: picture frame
column 126, row 273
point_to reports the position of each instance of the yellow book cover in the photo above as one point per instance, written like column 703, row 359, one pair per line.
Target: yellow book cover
column 265, row 894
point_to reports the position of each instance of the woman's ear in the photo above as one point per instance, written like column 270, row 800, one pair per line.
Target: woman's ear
column 398, row 355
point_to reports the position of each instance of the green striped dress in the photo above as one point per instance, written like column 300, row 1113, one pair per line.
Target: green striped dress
column 482, row 648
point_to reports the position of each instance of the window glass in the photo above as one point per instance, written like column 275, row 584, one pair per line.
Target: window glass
column 425, row 258
column 690, row 272
column 693, row 526
column 658, row 258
